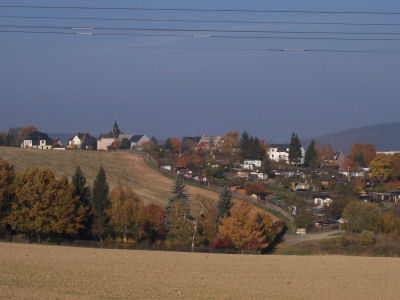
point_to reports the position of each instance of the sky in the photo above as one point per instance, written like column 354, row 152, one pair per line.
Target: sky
column 58, row 84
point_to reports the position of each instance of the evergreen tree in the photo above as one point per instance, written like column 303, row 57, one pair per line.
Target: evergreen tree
column 310, row 158
column 125, row 144
column 178, row 195
column 83, row 192
column 224, row 204
column 295, row 154
column 100, row 203
column 250, row 147
column 7, row 191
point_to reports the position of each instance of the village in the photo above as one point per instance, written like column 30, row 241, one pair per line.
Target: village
column 311, row 186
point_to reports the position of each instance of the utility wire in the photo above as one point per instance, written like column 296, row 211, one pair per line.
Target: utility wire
column 205, row 10
column 198, row 36
column 197, row 30
column 198, row 21
column 207, row 49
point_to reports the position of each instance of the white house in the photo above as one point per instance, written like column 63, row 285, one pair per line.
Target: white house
column 38, row 140
column 104, row 143
column 280, row 152
column 322, row 201
column 138, row 140
column 82, row 141
column 251, row 164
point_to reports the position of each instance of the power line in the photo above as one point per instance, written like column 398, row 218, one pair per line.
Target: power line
column 197, row 30
column 366, row 51
column 198, row 36
column 205, row 10
column 199, row 21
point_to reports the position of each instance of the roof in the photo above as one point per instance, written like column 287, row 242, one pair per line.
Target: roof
column 280, row 147
column 195, row 139
column 37, row 136
column 136, row 138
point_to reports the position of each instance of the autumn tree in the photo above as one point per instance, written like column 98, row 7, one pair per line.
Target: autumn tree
column 45, row 206
column 126, row 212
column 154, row 223
column 325, row 153
column 26, row 131
column 245, row 228
column 311, row 156
column 230, row 141
column 100, row 203
column 7, row 191
column 115, row 145
column 295, row 153
column 381, row 167
column 206, row 225
column 360, row 155
column 3, row 139
column 224, row 204
column 12, row 138
column 81, row 190
column 256, row 189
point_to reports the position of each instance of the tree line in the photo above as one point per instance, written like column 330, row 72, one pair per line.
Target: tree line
column 42, row 207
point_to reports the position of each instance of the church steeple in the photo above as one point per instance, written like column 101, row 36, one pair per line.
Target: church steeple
column 115, row 130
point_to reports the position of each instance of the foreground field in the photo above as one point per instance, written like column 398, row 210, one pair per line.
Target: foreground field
column 149, row 184
column 37, row 271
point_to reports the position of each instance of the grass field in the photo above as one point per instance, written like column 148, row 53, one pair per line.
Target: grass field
column 149, row 184
column 43, row 272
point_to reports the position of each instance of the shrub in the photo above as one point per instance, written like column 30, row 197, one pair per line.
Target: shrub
column 366, row 238
column 362, row 216
column 221, row 243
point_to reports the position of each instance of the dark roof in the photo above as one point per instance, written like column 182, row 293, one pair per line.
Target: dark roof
column 281, row 147
column 37, row 136
column 136, row 138
column 195, row 139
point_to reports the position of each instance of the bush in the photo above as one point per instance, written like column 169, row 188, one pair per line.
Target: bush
column 366, row 238
column 362, row 216
column 221, row 243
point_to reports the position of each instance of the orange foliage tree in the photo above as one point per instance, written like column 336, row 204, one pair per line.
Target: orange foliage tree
column 26, row 131
column 245, row 228
column 154, row 223
column 360, row 155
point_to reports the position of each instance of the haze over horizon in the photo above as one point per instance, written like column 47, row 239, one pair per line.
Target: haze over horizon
column 56, row 83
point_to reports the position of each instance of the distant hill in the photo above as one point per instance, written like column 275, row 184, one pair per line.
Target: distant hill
column 385, row 137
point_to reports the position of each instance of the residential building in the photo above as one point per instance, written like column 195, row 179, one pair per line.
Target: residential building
column 251, row 164
column 82, row 141
column 280, row 153
column 138, row 140
column 38, row 140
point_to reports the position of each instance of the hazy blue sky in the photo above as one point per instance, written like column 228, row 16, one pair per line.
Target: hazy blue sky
column 180, row 92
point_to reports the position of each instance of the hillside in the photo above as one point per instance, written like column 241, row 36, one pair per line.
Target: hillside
column 385, row 137
column 149, row 184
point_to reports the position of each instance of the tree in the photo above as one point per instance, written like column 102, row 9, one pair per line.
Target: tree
column 250, row 147
column 12, row 139
column 3, row 139
column 224, row 204
column 154, row 223
column 295, row 153
column 311, row 156
column 7, row 191
column 304, row 220
column 245, row 228
column 126, row 212
column 178, row 217
column 125, row 144
column 100, row 203
column 206, row 225
column 81, row 190
column 45, row 206
column 362, row 216
column 325, row 153
column 230, row 141
column 360, row 155
column 381, row 167
column 25, row 132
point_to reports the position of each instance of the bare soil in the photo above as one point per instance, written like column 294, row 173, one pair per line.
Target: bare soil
column 55, row 272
